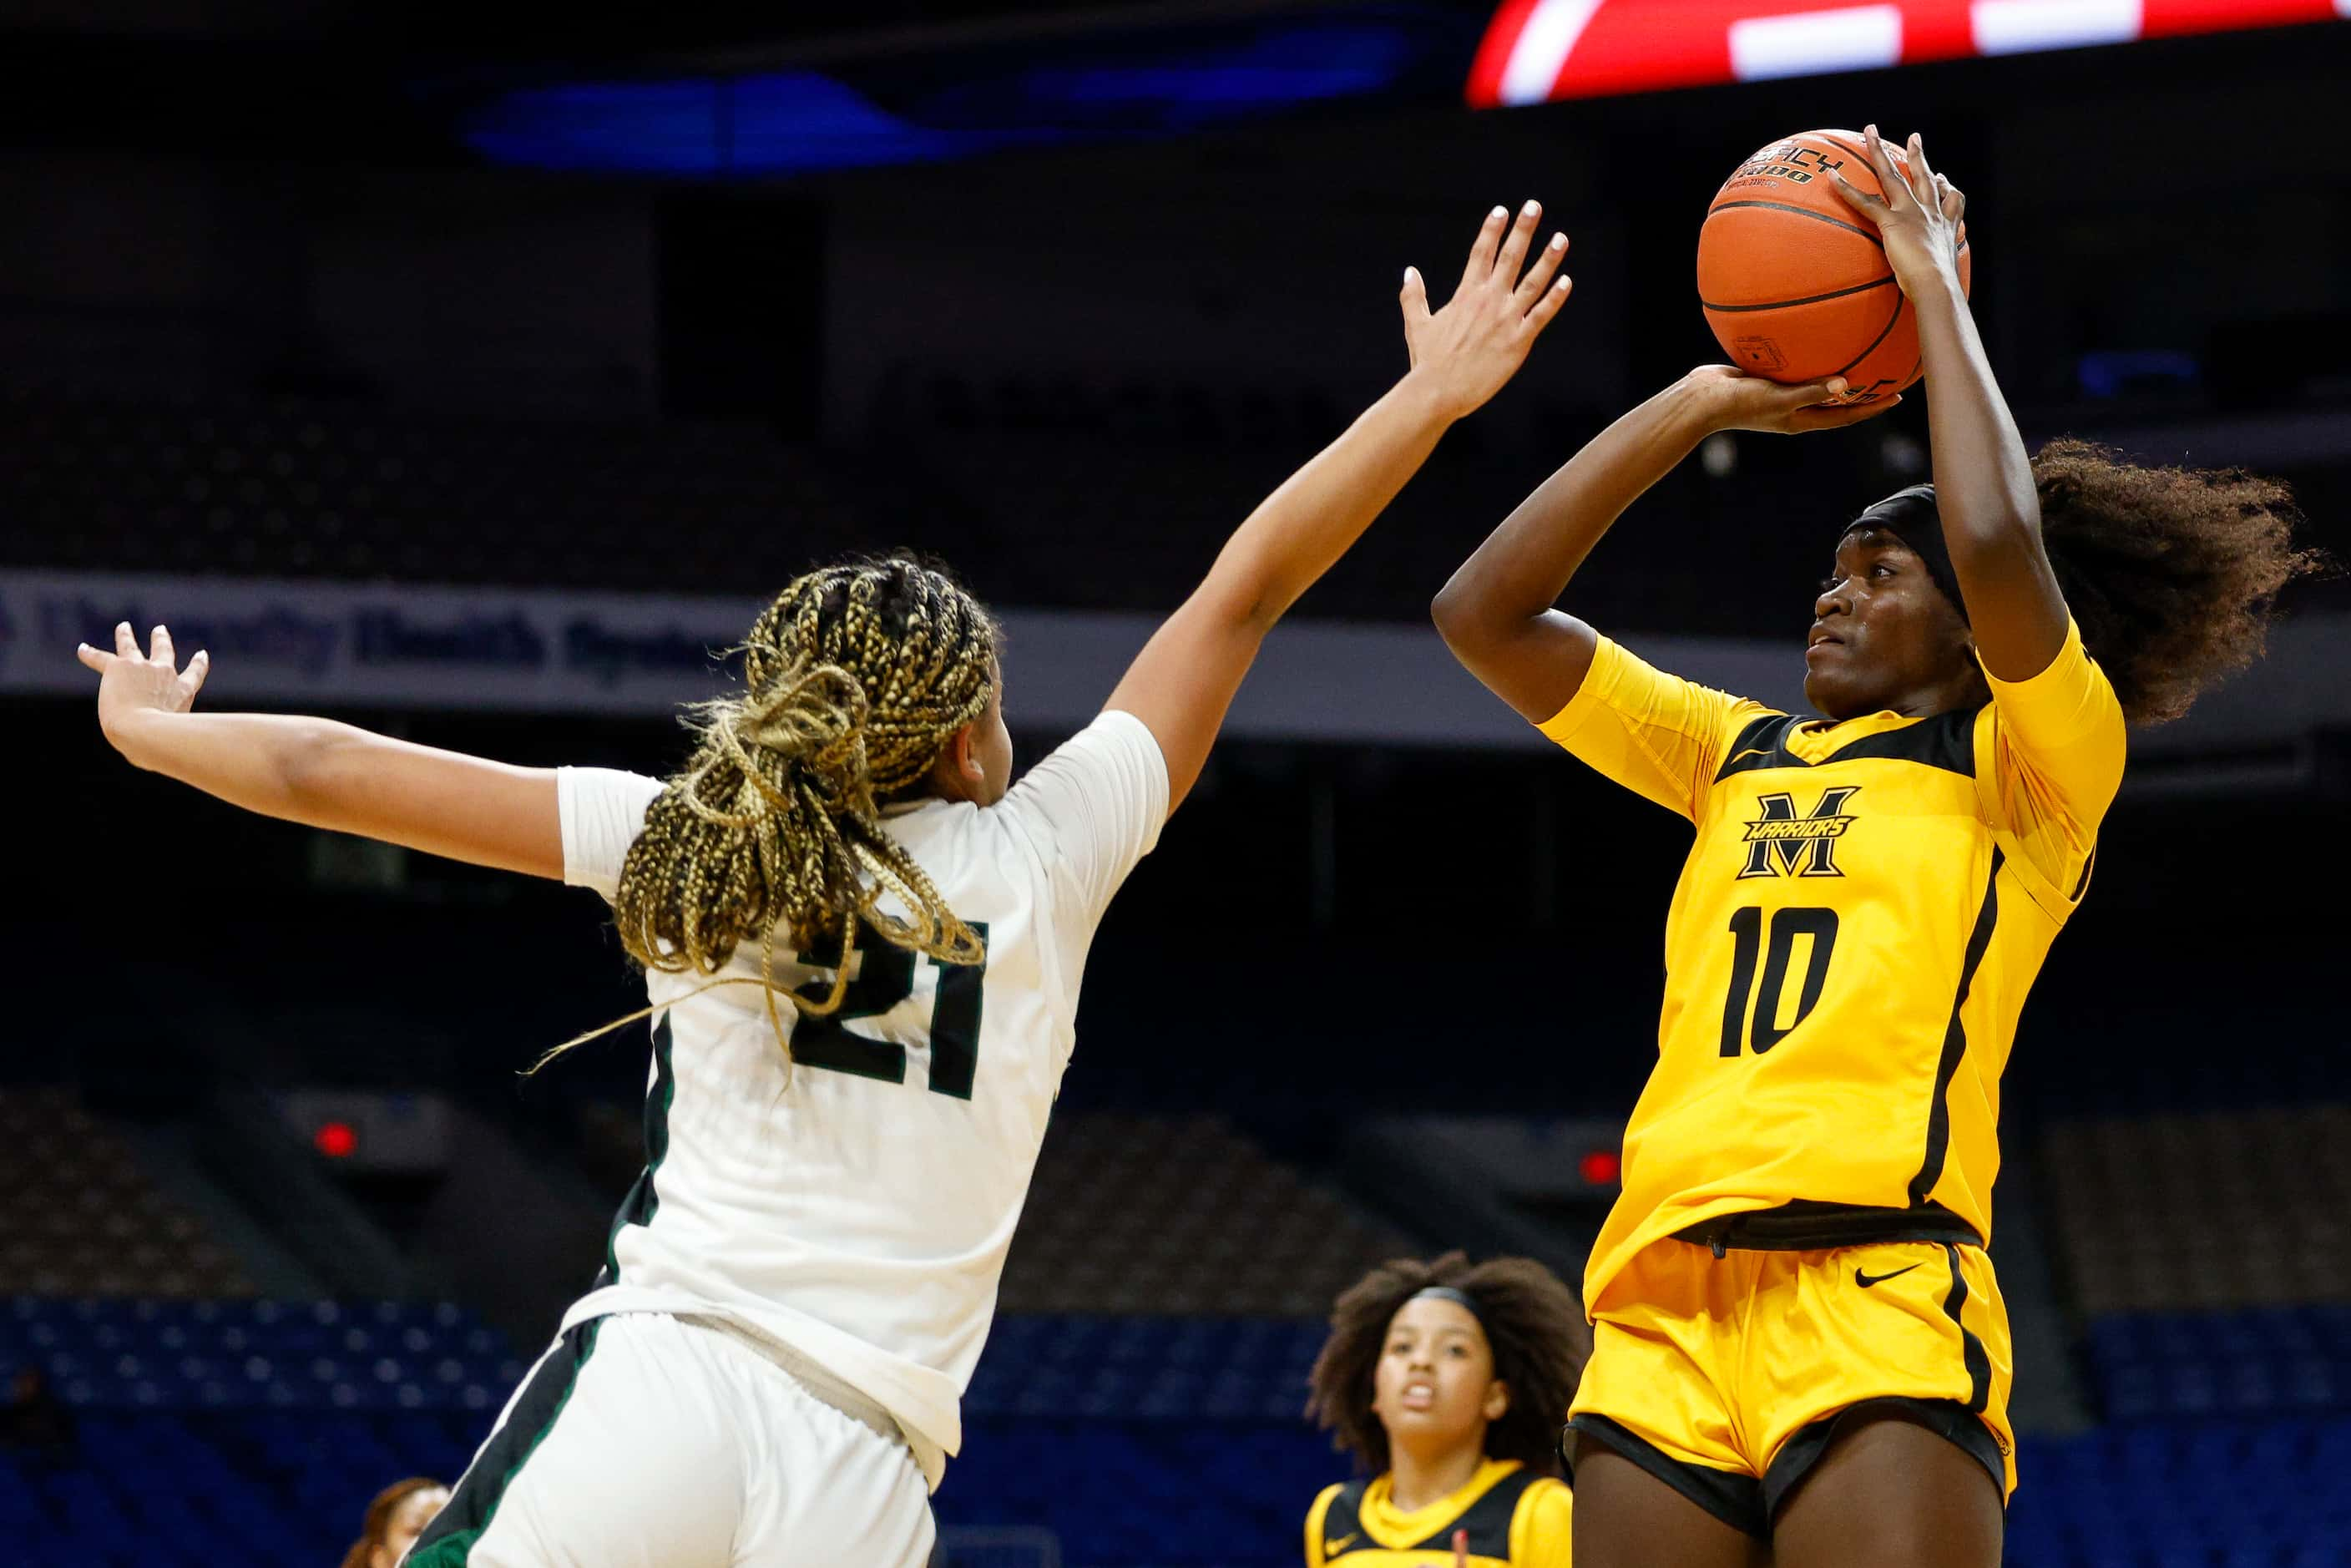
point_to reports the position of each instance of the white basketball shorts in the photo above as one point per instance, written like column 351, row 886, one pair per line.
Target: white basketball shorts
column 642, row 1440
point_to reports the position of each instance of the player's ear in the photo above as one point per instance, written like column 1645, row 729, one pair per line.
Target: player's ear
column 1498, row 1400
column 957, row 775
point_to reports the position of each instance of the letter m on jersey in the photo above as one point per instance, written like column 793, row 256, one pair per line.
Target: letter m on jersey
column 1781, row 843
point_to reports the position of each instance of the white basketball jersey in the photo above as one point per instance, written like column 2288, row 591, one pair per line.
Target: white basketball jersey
column 859, row 1212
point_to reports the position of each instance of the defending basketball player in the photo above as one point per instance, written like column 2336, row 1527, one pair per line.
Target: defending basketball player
column 1800, row 1354
column 1447, row 1383
column 862, row 944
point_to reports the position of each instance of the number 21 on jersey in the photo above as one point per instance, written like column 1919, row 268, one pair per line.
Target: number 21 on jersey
column 884, row 982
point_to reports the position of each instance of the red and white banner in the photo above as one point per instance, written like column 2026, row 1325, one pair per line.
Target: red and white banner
column 1539, row 50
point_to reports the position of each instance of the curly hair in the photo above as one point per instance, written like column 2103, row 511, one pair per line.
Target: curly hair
column 1534, row 1326
column 2170, row 572
column 854, row 681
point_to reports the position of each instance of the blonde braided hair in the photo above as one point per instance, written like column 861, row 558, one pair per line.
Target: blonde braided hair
column 854, row 681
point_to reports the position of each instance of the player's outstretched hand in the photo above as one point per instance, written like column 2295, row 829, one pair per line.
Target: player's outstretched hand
column 1737, row 401
column 131, row 683
column 1918, row 218
column 1466, row 351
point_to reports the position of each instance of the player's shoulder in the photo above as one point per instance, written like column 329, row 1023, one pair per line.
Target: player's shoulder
column 1331, row 1522
column 1546, row 1495
column 1342, row 1498
column 1542, row 1524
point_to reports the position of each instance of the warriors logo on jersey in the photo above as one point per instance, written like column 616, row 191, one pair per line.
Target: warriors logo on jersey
column 1781, row 843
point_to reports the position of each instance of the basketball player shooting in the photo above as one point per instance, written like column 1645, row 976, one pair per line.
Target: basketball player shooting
column 1799, row 1355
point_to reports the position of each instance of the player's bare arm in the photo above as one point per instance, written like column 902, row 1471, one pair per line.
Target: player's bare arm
column 1184, row 678
column 1984, row 479
column 1497, row 613
column 322, row 773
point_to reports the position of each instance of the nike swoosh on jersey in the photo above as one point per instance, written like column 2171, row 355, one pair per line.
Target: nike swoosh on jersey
column 1867, row 1280
column 1336, row 1547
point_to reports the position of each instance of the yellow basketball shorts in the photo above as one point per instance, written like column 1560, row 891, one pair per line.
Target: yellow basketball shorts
column 1728, row 1376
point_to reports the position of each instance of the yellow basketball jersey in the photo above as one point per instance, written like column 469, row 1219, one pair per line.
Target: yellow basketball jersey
column 1865, row 907
column 1515, row 1520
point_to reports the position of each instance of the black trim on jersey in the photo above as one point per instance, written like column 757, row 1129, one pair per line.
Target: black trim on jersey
column 1731, row 1497
column 450, row 1538
column 2088, row 866
column 639, row 1207
column 1806, row 1225
column 1955, row 1041
column 1803, row 1451
column 1945, row 740
column 1971, row 1349
column 1487, row 1518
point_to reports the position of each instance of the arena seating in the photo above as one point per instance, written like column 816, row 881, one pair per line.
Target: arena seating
column 1182, row 1433
column 287, row 488
column 2194, row 1365
column 116, row 1353
column 2204, row 1494
column 2217, row 1209
column 84, row 1220
column 1017, row 486
column 1139, row 1214
column 178, row 1486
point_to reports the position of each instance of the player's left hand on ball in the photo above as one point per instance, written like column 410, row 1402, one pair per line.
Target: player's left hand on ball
column 131, row 682
column 1918, row 218
column 1466, row 351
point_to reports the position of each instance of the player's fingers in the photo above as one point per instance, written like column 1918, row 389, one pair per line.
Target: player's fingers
column 1460, row 1549
column 158, row 647
column 1413, row 298
column 1954, row 200
column 1538, row 275
column 126, row 644
column 1890, row 177
column 1859, row 200
column 1481, row 255
column 1923, row 177
column 1830, row 389
column 96, row 658
column 1518, row 242
column 192, row 679
column 1539, row 317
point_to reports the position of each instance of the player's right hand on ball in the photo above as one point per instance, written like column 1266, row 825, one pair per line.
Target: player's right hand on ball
column 1733, row 400
column 131, row 683
column 1463, row 353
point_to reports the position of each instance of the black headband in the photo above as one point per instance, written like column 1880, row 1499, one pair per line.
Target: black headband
column 1461, row 1299
column 1910, row 516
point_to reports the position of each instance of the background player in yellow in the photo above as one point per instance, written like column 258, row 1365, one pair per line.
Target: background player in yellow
column 1800, row 1354
column 1447, row 1383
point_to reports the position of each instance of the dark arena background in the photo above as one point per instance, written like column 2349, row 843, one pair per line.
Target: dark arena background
column 471, row 374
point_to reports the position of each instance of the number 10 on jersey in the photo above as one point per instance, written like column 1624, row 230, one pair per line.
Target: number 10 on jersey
column 1746, row 998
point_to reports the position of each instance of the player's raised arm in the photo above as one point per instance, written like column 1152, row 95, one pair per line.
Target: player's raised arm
column 1496, row 614
column 1183, row 681
column 1983, row 480
column 320, row 773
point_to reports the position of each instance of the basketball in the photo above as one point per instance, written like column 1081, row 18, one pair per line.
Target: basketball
column 1794, row 282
